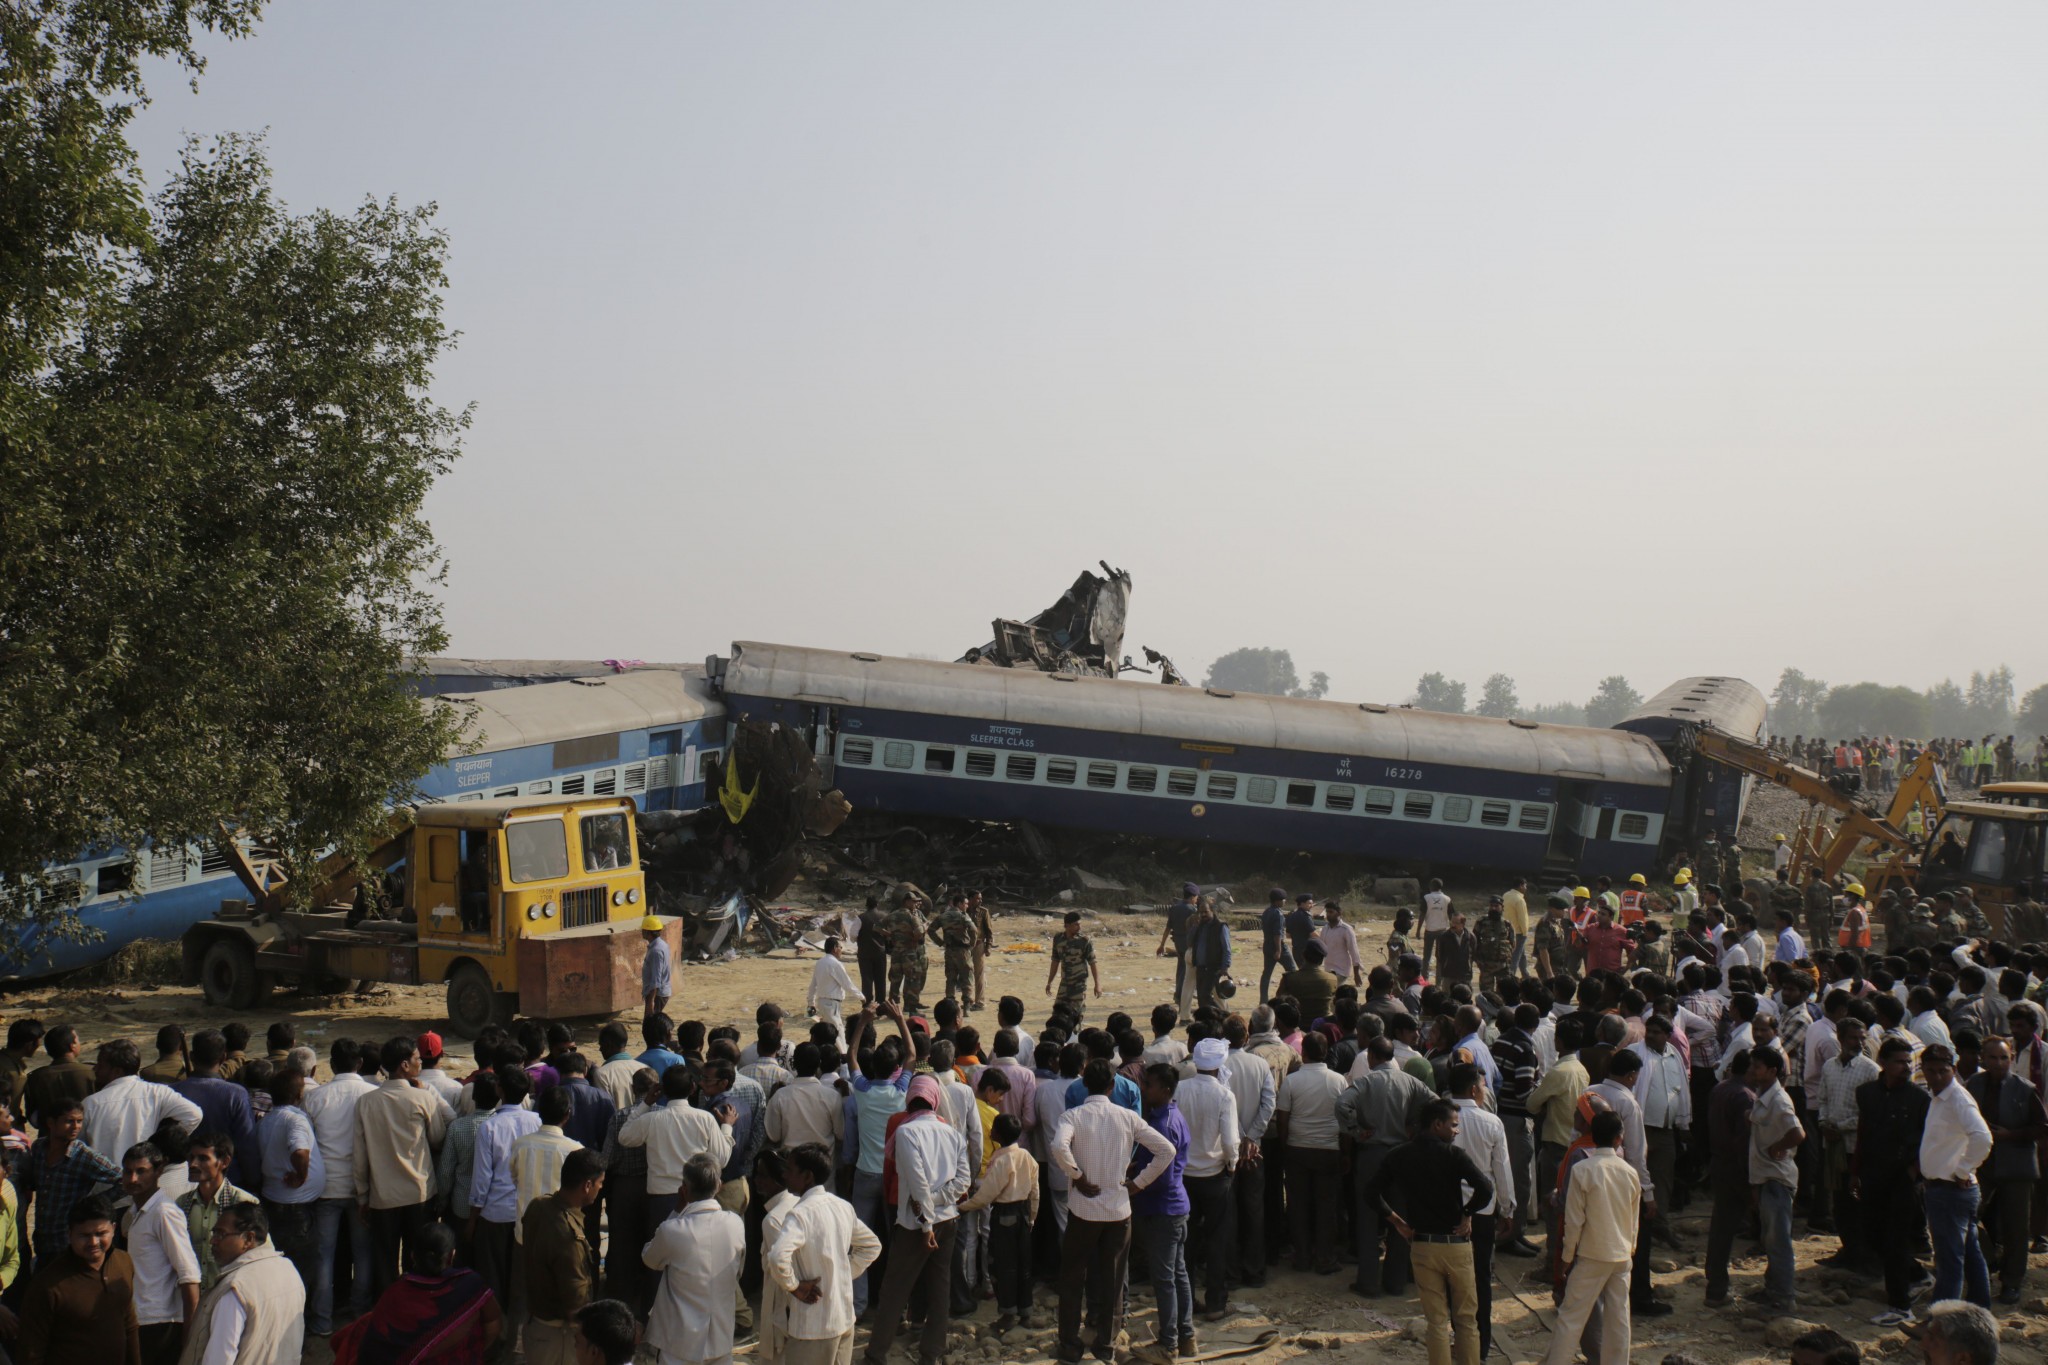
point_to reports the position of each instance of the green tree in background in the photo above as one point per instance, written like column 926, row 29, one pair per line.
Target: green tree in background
column 1267, row 671
column 1614, row 700
column 1556, row 713
column 1498, row 698
column 217, row 436
column 1795, row 704
column 1873, row 709
column 1435, row 692
column 2033, row 717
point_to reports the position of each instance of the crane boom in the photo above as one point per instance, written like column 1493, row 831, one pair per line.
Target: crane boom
column 1817, row 846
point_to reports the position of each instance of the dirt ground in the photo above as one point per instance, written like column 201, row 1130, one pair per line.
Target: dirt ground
column 1303, row 1313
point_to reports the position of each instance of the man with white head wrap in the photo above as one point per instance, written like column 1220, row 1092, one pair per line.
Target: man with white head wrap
column 1209, row 1109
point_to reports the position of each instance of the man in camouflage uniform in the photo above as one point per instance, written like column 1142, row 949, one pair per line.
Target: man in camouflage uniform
column 1785, row 896
column 953, row 932
column 984, row 939
column 1976, row 923
column 1073, row 962
column 1820, row 909
column 1493, row 944
column 1731, row 863
column 1548, row 943
column 1653, row 950
column 905, row 930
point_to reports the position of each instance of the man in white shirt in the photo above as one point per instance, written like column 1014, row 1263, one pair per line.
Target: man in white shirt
column 1306, row 1113
column 1340, row 946
column 1833, row 1086
column 166, row 1268
column 1484, row 1138
column 1093, row 1147
column 1953, row 1145
column 933, row 1173
column 830, row 986
column 1663, row 1088
column 537, row 1157
column 1598, row 1249
column 821, row 1249
column 1436, row 920
column 1790, row 947
column 672, row 1133
column 1164, row 1047
column 697, row 1253
column 1209, row 1109
column 332, row 1111
column 256, row 1310
column 126, row 1109
column 1618, row 1089
column 1251, row 1083
column 809, row 1109
column 1774, row 1141
column 432, row 1077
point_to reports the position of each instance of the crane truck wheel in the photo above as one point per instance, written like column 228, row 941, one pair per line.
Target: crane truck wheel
column 474, row 1004
column 228, row 975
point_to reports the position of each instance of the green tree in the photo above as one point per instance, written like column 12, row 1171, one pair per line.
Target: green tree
column 1435, row 692
column 1990, row 702
column 2032, row 720
column 1795, row 703
column 1268, row 671
column 1614, row 700
column 1556, row 713
column 1498, row 699
column 1948, row 713
column 1873, row 709
column 217, row 437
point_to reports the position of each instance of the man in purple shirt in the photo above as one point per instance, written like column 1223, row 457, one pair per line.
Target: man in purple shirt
column 1160, row 1221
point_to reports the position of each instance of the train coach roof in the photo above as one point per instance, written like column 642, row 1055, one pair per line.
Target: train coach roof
column 1245, row 719
column 647, row 699
column 1730, row 705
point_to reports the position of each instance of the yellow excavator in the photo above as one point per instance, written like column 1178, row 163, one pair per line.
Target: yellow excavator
column 1994, row 847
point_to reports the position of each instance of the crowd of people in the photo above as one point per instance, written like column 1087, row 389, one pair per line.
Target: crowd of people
column 1879, row 761
column 1552, row 1091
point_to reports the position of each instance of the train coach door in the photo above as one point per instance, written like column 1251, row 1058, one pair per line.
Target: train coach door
column 1568, row 834
column 664, row 768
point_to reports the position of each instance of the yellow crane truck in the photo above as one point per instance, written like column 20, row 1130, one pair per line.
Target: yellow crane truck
column 526, row 906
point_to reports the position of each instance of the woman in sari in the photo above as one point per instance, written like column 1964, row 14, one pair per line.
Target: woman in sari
column 436, row 1313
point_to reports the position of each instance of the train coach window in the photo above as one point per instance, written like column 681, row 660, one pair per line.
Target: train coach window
column 1141, row 779
column 1535, row 819
column 1302, row 794
column 1340, row 798
column 1495, row 813
column 1261, row 790
column 1223, row 786
column 166, row 867
column 1102, row 775
column 1061, row 770
column 1021, row 767
column 544, row 787
column 938, row 758
column 501, row 793
column 1418, row 805
column 1379, row 801
column 604, row 782
column 636, row 777
column 1180, row 782
column 1458, row 809
column 980, row 764
column 1633, row 827
column 898, row 753
column 573, row 786
column 858, row 753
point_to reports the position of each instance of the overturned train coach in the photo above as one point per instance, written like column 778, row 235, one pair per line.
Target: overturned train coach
column 1414, row 787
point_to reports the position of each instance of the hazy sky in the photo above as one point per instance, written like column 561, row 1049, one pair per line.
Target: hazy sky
column 1558, row 339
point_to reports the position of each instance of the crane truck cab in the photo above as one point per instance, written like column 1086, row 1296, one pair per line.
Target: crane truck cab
column 529, row 905
column 1993, row 847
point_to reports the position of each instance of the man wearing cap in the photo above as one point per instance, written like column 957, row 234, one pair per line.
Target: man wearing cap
column 1073, row 963
column 1633, row 908
column 954, row 934
column 1273, row 940
column 656, row 969
column 907, row 963
column 1549, row 943
column 1688, row 894
column 1781, row 853
column 1209, row 1108
column 432, row 1077
column 1179, row 917
column 1493, row 944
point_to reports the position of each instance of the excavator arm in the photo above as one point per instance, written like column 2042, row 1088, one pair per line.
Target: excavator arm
column 1818, row 845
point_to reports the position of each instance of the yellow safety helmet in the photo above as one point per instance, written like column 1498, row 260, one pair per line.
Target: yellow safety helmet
column 1580, row 893
column 1638, row 879
column 1777, row 838
column 652, row 924
column 1684, row 877
column 1856, row 889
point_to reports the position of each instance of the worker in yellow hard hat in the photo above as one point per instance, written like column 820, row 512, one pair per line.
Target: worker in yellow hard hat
column 1688, row 896
column 1683, row 877
column 1781, row 853
column 1633, row 908
column 657, row 969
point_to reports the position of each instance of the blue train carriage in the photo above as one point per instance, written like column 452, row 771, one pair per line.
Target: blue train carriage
column 651, row 734
column 1706, row 797
column 920, row 737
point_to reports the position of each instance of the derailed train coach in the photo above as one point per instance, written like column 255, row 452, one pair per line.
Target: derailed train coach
column 920, row 737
